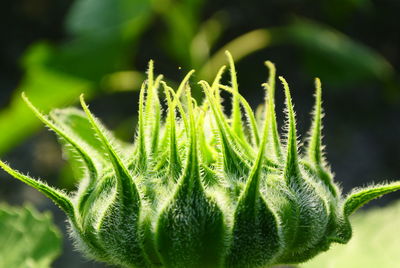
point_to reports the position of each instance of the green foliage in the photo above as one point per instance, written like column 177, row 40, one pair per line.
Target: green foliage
column 102, row 34
column 334, row 56
column 200, row 188
column 47, row 87
column 28, row 239
column 373, row 244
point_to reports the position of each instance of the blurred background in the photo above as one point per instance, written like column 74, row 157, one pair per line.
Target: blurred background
column 54, row 50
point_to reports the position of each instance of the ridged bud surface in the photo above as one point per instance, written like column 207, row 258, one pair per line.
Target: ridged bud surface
column 199, row 188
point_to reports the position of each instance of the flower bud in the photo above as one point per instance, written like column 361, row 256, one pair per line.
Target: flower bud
column 198, row 188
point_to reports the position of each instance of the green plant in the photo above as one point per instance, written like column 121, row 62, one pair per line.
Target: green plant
column 28, row 239
column 199, row 189
column 372, row 245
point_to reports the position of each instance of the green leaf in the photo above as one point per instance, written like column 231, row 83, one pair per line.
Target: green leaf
column 375, row 242
column 28, row 239
column 91, row 17
column 241, row 47
column 182, row 19
column 47, row 88
column 104, row 32
column 332, row 56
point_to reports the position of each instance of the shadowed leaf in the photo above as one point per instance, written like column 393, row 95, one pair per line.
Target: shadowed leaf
column 28, row 239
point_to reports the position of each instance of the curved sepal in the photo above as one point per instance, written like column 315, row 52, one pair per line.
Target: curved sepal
column 118, row 226
column 249, row 113
column 124, row 179
column 70, row 138
column 232, row 158
column 97, row 201
column 73, row 139
column 73, row 120
column 58, row 197
column 360, row 197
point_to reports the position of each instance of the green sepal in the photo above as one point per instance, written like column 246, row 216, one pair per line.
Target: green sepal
column 58, row 197
column 140, row 153
column 207, row 153
column 75, row 142
column 305, row 218
column 360, row 197
column 233, row 162
column 237, row 124
column 72, row 137
column 249, row 113
column 118, row 231
column 315, row 149
column 97, row 200
column 273, row 136
column 125, row 183
column 307, row 215
column 149, row 242
column 337, row 230
column 174, row 161
column 190, row 230
column 255, row 235
column 292, row 169
column 74, row 121
column 119, row 226
column 236, row 138
column 152, row 110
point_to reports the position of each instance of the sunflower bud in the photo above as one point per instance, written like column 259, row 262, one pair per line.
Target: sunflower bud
column 198, row 188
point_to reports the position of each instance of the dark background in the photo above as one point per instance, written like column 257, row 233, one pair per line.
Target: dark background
column 362, row 126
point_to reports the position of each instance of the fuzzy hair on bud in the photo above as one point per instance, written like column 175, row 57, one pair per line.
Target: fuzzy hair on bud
column 199, row 188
